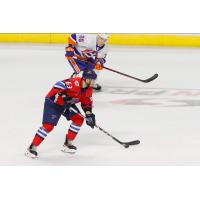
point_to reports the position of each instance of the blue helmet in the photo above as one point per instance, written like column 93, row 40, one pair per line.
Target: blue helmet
column 89, row 74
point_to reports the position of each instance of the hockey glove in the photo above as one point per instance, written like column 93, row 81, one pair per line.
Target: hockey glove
column 90, row 120
column 67, row 101
column 98, row 67
column 100, row 61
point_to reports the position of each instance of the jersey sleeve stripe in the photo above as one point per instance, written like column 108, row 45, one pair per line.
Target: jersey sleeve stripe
column 76, row 51
column 60, row 85
column 74, row 65
column 71, row 41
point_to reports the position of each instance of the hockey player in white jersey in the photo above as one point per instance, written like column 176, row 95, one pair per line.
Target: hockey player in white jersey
column 87, row 52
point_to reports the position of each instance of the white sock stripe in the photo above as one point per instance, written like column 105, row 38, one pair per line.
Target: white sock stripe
column 74, row 130
column 41, row 134
column 75, row 126
column 43, row 131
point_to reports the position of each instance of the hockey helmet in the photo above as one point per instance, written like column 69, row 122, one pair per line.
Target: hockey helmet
column 104, row 36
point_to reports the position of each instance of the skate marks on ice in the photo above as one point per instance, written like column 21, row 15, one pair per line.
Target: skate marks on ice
column 158, row 97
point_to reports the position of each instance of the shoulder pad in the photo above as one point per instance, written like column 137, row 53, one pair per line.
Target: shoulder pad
column 60, row 85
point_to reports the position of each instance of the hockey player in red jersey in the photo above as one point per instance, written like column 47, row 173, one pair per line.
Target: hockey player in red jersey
column 87, row 51
column 61, row 97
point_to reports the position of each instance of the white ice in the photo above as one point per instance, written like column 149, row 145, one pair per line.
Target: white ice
column 163, row 114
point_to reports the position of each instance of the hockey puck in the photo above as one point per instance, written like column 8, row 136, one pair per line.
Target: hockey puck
column 137, row 142
column 126, row 146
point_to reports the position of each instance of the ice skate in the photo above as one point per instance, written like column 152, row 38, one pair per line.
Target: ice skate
column 96, row 87
column 31, row 152
column 68, row 147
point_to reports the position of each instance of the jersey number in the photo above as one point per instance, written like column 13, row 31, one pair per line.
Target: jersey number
column 68, row 85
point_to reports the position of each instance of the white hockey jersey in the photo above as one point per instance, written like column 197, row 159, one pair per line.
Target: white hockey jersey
column 85, row 45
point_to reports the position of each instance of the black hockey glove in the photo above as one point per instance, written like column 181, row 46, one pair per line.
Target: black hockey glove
column 67, row 101
column 90, row 120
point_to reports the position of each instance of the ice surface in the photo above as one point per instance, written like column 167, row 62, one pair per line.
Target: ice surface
column 163, row 114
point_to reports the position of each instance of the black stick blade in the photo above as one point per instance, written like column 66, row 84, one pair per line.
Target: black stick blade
column 135, row 142
column 151, row 78
column 127, row 144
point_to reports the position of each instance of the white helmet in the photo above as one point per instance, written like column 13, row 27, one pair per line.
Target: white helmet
column 104, row 35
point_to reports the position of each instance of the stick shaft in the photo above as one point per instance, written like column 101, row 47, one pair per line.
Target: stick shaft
column 129, row 76
column 101, row 129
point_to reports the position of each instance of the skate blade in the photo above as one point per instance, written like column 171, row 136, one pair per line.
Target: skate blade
column 70, row 151
column 30, row 155
column 96, row 91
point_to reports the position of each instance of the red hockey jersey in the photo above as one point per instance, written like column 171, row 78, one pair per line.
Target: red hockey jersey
column 70, row 91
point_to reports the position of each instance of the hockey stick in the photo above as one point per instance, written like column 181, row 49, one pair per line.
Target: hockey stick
column 142, row 80
column 124, row 144
column 138, row 79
